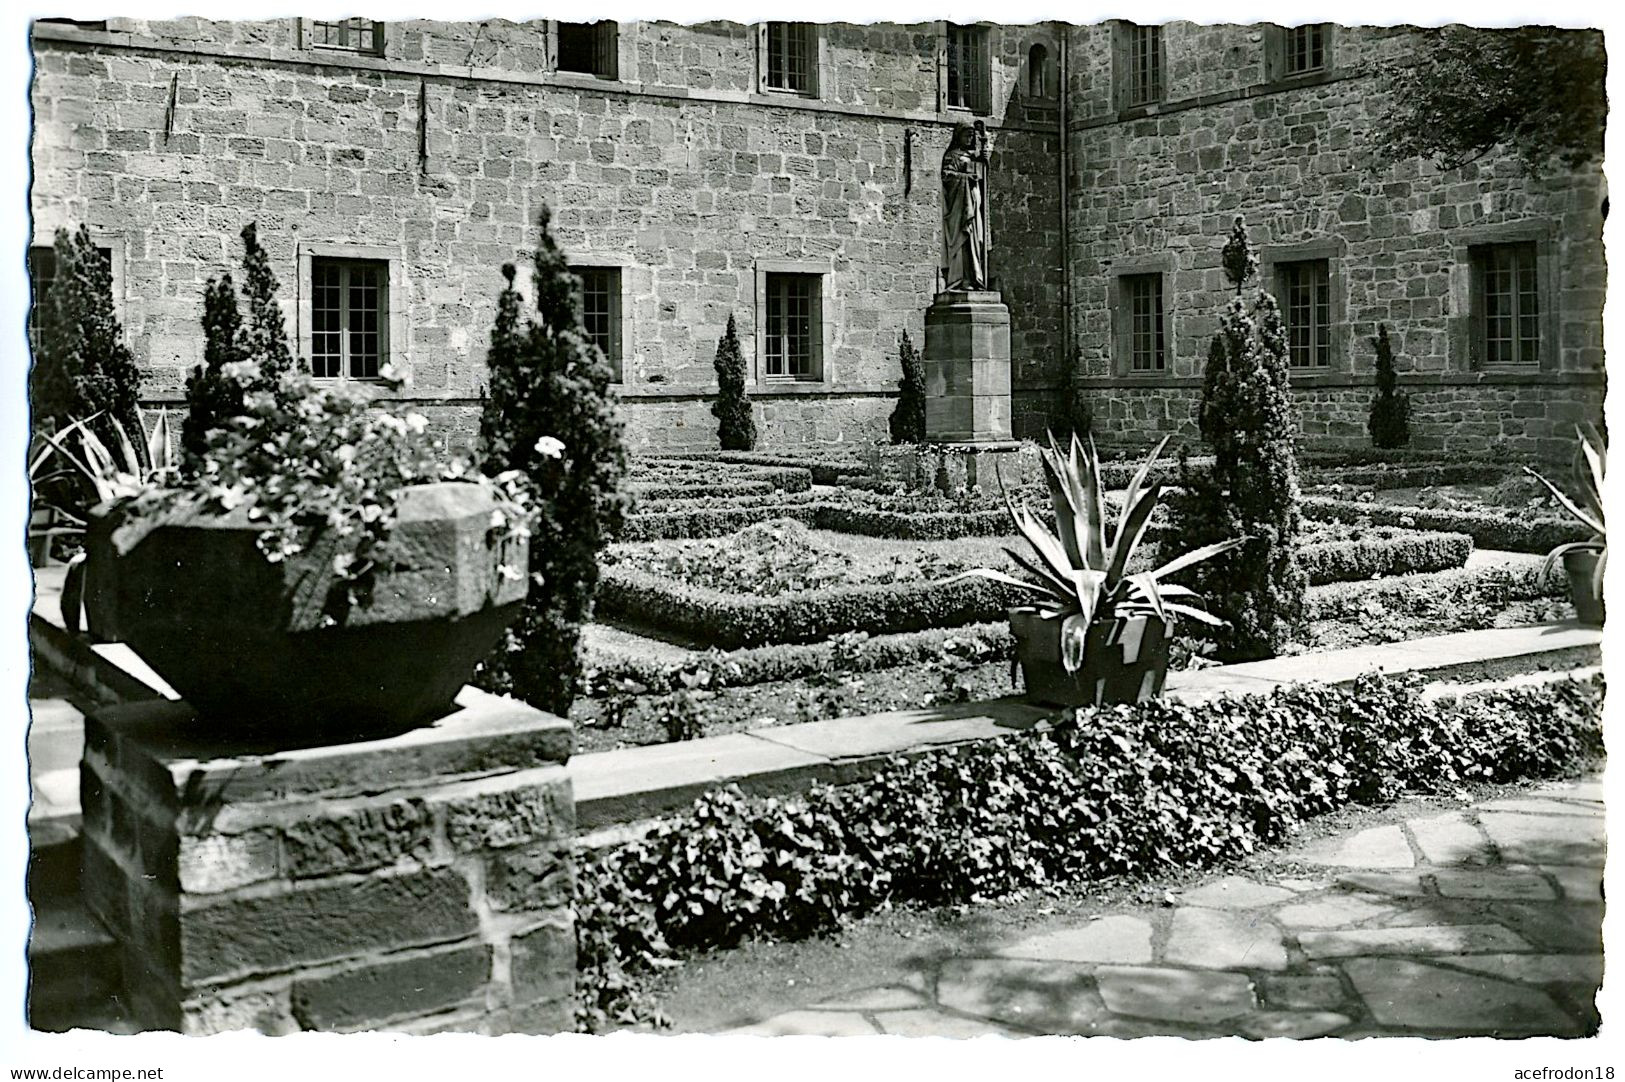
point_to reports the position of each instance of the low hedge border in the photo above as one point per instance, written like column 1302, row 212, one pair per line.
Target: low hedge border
column 667, row 521
column 1116, row 791
column 1382, row 477
column 1418, row 593
column 666, row 490
column 851, row 653
column 700, row 522
column 734, row 621
column 1343, row 561
column 1488, row 531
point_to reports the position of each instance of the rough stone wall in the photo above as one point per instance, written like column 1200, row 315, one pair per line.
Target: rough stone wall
column 418, row 884
column 680, row 173
column 1513, row 421
column 1164, row 185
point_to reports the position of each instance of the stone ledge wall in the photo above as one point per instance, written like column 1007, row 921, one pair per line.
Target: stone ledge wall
column 419, row 883
column 1516, row 422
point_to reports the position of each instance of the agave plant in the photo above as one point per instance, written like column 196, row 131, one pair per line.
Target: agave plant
column 115, row 472
column 1080, row 571
column 1589, row 467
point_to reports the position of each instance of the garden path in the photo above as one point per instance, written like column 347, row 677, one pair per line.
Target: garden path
column 1479, row 922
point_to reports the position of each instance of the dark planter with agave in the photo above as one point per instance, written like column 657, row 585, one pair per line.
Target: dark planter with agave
column 1583, row 561
column 325, row 576
column 1095, row 634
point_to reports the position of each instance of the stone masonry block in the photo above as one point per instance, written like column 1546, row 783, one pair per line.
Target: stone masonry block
column 237, row 936
column 537, row 877
column 357, row 839
column 511, row 809
column 542, row 962
column 378, row 990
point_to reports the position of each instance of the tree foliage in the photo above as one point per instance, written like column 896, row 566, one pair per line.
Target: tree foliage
column 213, row 394
column 83, row 366
column 736, row 426
column 1536, row 91
column 908, row 418
column 549, row 385
column 1389, row 423
column 1247, row 418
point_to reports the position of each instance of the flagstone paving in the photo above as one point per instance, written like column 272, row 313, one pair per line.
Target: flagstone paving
column 1484, row 922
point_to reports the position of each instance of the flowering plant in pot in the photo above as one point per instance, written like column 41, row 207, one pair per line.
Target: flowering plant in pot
column 1583, row 561
column 1094, row 632
column 319, row 563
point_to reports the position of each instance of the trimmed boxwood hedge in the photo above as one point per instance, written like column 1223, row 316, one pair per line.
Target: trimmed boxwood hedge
column 731, row 621
column 1412, row 551
column 857, row 652
column 830, row 470
column 1115, row 791
column 701, row 522
column 672, row 490
column 1502, row 532
column 985, row 642
column 1382, row 476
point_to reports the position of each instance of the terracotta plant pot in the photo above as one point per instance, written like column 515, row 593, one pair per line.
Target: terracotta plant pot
column 1125, row 661
column 1580, row 566
column 245, row 640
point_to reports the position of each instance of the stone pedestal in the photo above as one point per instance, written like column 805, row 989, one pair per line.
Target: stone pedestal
column 419, row 883
column 967, row 368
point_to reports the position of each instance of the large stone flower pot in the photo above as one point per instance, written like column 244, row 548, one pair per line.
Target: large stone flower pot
column 1581, row 568
column 1124, row 661
column 245, row 639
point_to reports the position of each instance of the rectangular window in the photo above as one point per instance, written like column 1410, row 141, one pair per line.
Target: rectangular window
column 1142, row 59
column 1306, row 297
column 1147, row 340
column 41, row 274
column 349, row 318
column 970, row 75
column 1304, row 49
column 790, row 60
column 1507, row 302
column 347, row 35
column 600, row 304
column 793, row 340
column 590, row 48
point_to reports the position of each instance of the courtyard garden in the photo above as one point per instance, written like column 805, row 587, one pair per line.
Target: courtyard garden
column 657, row 598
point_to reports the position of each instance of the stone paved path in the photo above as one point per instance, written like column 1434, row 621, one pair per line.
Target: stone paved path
column 1482, row 922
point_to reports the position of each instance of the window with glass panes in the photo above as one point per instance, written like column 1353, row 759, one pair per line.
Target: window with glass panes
column 590, row 48
column 1304, row 49
column 792, row 341
column 349, row 318
column 347, row 35
column 1507, row 296
column 792, row 57
column 1306, row 297
column 41, row 273
column 969, row 69
column 601, row 310
column 1142, row 303
column 1142, row 46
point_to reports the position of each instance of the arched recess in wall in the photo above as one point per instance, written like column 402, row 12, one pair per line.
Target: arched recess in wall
column 1038, row 77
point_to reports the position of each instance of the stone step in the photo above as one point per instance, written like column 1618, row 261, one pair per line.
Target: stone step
column 73, row 967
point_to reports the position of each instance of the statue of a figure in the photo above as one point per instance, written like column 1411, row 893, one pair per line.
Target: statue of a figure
column 964, row 210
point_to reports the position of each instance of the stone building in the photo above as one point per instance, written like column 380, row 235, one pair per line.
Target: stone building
column 786, row 174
